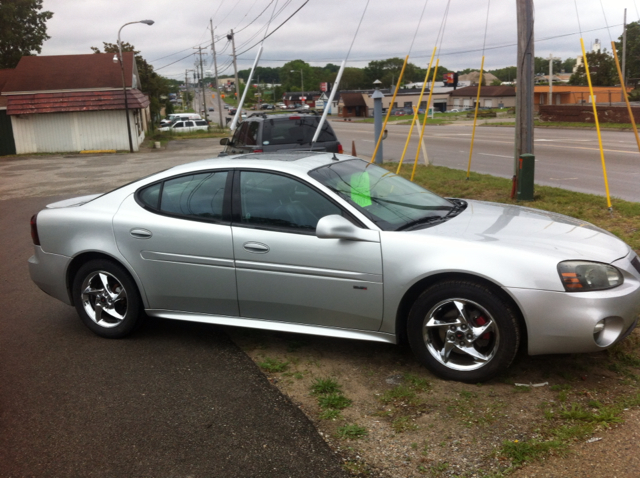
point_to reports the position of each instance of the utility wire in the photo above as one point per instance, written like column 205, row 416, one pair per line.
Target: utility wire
column 276, row 29
column 605, row 22
column 417, row 28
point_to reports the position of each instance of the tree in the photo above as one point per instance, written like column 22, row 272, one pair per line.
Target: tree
column 568, row 65
column 633, row 52
column 601, row 67
column 507, row 74
column 23, row 30
column 152, row 84
column 388, row 72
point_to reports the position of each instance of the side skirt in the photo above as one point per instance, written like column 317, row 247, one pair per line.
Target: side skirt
column 272, row 325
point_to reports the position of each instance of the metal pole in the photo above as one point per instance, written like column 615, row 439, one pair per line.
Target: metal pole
column 235, row 64
column 204, row 98
column 215, row 70
column 377, row 120
column 124, row 90
column 524, row 90
column 624, row 56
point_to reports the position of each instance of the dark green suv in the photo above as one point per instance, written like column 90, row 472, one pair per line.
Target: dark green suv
column 268, row 133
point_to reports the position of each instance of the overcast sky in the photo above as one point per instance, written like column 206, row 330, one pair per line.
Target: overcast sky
column 322, row 31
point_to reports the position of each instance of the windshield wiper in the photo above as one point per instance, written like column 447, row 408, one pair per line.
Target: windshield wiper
column 420, row 222
column 460, row 206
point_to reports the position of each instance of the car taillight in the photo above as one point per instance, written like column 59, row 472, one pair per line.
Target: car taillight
column 340, row 150
column 294, row 117
column 258, row 151
column 34, row 230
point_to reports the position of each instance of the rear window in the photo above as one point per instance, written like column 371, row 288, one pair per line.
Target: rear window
column 291, row 131
column 201, row 123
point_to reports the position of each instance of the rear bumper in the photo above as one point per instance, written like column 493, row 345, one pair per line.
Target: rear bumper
column 48, row 271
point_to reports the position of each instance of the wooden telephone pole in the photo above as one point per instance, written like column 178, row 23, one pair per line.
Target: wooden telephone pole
column 524, row 86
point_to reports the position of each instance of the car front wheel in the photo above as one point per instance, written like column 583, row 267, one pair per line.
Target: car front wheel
column 462, row 331
column 107, row 299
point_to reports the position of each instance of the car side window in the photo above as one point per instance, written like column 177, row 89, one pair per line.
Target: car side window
column 180, row 124
column 241, row 134
column 196, row 195
column 189, row 123
column 252, row 133
column 282, row 202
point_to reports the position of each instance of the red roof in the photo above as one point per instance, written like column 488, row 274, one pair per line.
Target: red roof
column 69, row 72
column 75, row 101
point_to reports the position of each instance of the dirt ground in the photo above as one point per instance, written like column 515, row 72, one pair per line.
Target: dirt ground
column 418, row 425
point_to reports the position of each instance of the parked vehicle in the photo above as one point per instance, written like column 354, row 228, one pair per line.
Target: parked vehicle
column 281, row 105
column 332, row 245
column 279, row 132
column 186, row 126
column 267, row 106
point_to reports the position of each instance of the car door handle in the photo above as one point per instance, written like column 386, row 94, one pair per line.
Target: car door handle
column 140, row 233
column 256, row 247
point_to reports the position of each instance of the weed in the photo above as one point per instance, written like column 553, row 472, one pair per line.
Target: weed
column 522, row 451
column 559, row 388
column 573, row 432
column 295, row 345
column 562, row 396
column 468, row 395
column 356, row 468
column 414, row 445
column 603, row 415
column 401, row 393
column 352, row 432
column 440, row 467
column 330, row 414
column 521, row 389
column 334, row 401
column 417, row 383
column 272, row 365
column 325, row 386
column 403, row 424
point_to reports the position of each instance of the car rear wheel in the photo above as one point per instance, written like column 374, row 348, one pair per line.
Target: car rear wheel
column 107, row 299
column 462, row 331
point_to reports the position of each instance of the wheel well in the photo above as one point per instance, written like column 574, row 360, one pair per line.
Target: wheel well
column 419, row 287
column 78, row 261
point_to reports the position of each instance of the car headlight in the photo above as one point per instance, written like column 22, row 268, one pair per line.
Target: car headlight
column 583, row 276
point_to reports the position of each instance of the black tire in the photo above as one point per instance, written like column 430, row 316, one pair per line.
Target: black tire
column 107, row 299
column 462, row 331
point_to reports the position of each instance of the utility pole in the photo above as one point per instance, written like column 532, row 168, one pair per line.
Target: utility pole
column 235, row 64
column 624, row 55
column 215, row 70
column 204, row 98
column 186, row 88
column 524, row 89
column 551, row 58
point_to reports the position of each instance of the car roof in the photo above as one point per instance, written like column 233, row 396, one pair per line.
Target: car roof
column 280, row 116
column 295, row 162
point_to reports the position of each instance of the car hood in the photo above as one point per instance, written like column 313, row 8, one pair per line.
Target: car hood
column 529, row 229
column 77, row 201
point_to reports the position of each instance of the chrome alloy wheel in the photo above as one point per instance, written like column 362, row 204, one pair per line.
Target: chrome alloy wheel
column 104, row 299
column 461, row 334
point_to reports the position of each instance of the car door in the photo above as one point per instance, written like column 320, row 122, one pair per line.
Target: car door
column 284, row 272
column 176, row 235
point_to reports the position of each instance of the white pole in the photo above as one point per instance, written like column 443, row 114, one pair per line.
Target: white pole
column 234, row 123
column 326, row 110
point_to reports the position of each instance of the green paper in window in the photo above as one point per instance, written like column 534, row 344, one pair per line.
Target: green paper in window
column 361, row 189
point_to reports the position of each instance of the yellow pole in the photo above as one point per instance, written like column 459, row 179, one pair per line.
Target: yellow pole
column 626, row 97
column 386, row 119
column 475, row 118
column 595, row 117
column 424, row 123
column 415, row 113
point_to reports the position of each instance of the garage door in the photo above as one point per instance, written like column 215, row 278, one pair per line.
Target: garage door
column 7, row 144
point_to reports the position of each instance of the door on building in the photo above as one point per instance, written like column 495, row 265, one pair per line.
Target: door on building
column 7, row 143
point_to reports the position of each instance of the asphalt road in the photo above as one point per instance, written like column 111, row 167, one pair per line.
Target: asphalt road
column 565, row 158
column 173, row 400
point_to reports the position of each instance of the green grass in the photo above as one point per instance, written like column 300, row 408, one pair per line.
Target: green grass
column 272, row 365
column 520, row 452
column 334, row 401
column 403, row 424
column 401, row 393
column 352, row 432
column 325, row 386
column 623, row 221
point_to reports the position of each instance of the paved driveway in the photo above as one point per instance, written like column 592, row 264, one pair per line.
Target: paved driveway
column 173, row 400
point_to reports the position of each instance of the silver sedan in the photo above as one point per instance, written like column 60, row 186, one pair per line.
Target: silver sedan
column 332, row 245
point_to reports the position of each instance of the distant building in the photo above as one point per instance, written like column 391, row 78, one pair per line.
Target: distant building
column 490, row 97
column 74, row 103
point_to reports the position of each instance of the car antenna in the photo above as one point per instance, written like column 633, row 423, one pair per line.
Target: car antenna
column 335, row 158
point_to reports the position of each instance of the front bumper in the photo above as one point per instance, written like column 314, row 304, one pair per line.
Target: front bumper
column 48, row 271
column 564, row 322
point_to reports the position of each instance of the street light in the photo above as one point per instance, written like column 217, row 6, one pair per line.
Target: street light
column 301, row 83
column 124, row 85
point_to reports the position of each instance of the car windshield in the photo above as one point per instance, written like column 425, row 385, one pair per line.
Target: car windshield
column 390, row 201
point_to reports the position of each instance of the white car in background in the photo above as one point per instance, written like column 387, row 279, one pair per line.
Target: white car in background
column 186, row 126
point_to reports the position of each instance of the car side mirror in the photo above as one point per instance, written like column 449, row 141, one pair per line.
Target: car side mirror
column 224, row 141
column 337, row 227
